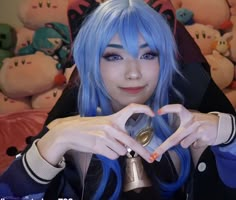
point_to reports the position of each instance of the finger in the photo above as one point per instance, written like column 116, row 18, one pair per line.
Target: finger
column 133, row 144
column 176, row 138
column 122, row 116
column 107, row 152
column 181, row 111
column 116, row 146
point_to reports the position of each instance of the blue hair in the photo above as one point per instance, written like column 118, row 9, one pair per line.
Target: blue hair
column 128, row 19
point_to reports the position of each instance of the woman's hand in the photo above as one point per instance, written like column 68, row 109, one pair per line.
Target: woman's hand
column 104, row 135
column 196, row 129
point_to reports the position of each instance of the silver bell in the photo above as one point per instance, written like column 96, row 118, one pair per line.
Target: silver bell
column 135, row 175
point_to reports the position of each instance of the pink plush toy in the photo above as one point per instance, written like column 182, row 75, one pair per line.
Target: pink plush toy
column 9, row 105
column 24, row 38
column 46, row 100
column 28, row 75
column 208, row 12
column 35, row 14
column 222, row 69
column 204, row 36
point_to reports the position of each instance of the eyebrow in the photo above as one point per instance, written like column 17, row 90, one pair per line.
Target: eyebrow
column 118, row 46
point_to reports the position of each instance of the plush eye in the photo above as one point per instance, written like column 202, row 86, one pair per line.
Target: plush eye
column 203, row 34
column 197, row 35
column 23, row 62
column 16, row 63
column 48, row 4
column 5, row 98
column 3, row 36
column 54, row 93
column 40, row 4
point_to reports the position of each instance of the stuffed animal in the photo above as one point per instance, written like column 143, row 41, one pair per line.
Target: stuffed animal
column 24, row 38
column 207, row 12
column 7, row 41
column 53, row 39
column 184, row 16
column 204, row 36
column 46, row 100
column 28, row 75
column 9, row 105
column 222, row 45
column 222, row 69
column 35, row 14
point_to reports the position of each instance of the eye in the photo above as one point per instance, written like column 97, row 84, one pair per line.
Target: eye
column 149, row 56
column 49, row 52
column 48, row 4
column 203, row 34
column 197, row 35
column 112, row 57
column 23, row 62
column 56, row 41
column 16, row 63
column 28, row 42
column 54, row 93
column 3, row 36
column 40, row 4
column 5, row 98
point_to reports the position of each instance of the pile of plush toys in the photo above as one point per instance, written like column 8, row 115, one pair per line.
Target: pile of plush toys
column 212, row 24
column 34, row 70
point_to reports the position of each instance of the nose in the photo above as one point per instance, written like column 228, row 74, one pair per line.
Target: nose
column 133, row 70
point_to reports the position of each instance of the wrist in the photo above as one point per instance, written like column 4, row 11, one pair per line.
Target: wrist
column 51, row 148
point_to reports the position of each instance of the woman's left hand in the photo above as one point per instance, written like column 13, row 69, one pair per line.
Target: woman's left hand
column 196, row 129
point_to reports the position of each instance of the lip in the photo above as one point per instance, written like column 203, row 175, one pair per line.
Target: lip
column 132, row 90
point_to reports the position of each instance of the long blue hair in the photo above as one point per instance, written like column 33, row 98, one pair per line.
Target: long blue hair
column 128, row 19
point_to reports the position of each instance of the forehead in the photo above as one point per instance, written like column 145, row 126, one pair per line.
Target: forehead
column 116, row 40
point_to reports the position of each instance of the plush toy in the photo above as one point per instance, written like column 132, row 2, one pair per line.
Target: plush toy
column 24, row 38
column 204, row 36
column 9, row 105
column 15, row 129
column 184, row 16
column 35, row 14
column 53, row 39
column 28, row 75
column 207, row 12
column 46, row 100
column 232, row 4
column 222, row 69
column 222, row 45
column 7, row 41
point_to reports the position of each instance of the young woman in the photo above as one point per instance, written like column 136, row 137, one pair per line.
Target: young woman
column 124, row 140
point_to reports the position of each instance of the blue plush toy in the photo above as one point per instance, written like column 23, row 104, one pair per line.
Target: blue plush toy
column 184, row 16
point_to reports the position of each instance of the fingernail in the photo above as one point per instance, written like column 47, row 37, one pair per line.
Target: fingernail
column 159, row 112
column 154, row 156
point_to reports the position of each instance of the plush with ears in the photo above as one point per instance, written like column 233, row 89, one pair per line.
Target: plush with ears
column 35, row 14
column 222, row 43
column 28, row 75
column 15, row 129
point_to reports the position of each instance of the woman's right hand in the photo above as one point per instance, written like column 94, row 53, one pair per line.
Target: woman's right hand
column 104, row 135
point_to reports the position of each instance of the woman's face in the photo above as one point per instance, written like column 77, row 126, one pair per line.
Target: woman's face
column 128, row 79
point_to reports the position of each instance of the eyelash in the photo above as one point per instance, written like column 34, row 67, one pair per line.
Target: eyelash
column 110, row 56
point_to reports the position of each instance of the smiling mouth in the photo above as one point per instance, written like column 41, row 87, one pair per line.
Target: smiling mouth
column 132, row 90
